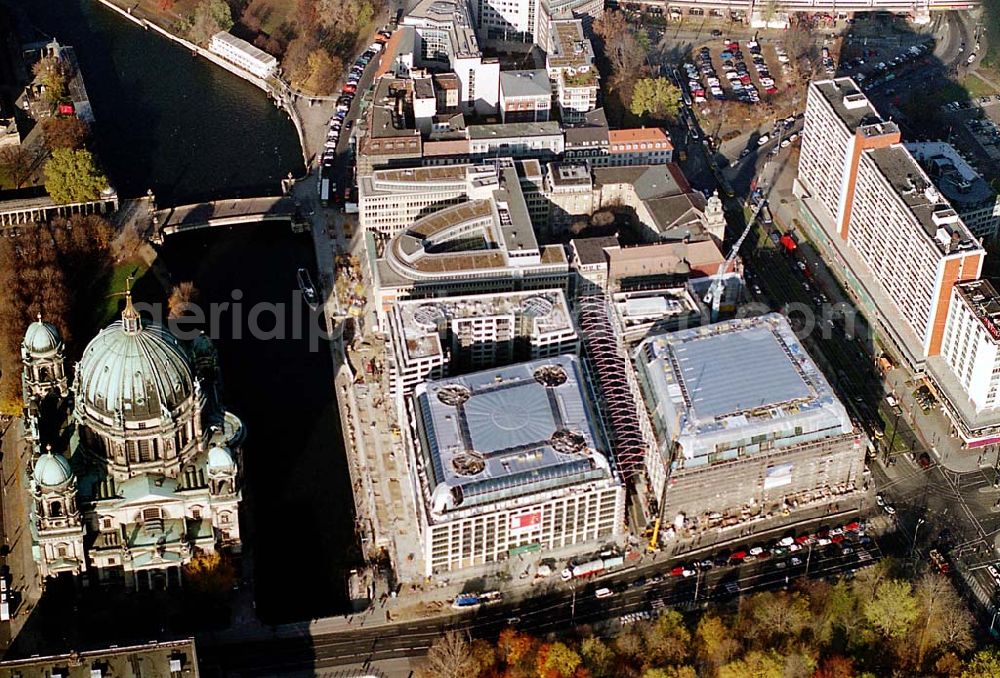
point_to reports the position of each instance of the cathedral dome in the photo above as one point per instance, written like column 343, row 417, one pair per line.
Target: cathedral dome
column 134, row 370
column 220, row 459
column 42, row 340
column 52, row 470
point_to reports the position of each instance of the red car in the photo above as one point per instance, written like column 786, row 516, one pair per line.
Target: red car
column 350, row 88
column 802, row 539
column 771, row 90
column 837, row 538
column 738, row 557
column 852, row 527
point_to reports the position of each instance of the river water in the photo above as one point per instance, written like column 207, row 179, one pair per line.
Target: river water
column 190, row 131
column 165, row 119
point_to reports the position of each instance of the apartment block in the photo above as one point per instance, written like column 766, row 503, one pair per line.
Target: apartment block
column 569, row 61
column 972, row 341
column 895, row 241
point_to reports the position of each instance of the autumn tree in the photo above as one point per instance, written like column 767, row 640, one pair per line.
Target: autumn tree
column 17, row 164
column 556, row 660
column 657, row 98
column 449, row 657
column 670, row 672
column 598, row 658
column 65, row 132
column 776, row 618
column 619, row 46
column 324, row 71
column 72, row 176
column 209, row 17
column 755, row 665
column 58, row 269
column 668, row 640
column 209, row 574
column 516, row 649
column 835, row 666
column 892, row 611
column 716, row 644
column 53, row 74
column 985, row 664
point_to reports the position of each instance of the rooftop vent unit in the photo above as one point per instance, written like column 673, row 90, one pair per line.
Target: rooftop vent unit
column 855, row 101
column 943, row 215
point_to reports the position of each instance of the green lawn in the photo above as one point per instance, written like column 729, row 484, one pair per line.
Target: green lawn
column 899, row 444
column 116, row 287
column 976, row 87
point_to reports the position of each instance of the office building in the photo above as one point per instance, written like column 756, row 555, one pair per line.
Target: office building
column 475, row 247
column 525, row 96
column 389, row 200
column 155, row 659
column 241, row 53
column 510, row 460
column 446, row 39
column 972, row 339
column 539, row 140
column 967, row 372
column 746, row 422
column 434, row 338
column 641, row 146
column 894, row 239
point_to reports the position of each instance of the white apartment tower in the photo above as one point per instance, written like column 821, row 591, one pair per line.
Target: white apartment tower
column 901, row 246
column 972, row 342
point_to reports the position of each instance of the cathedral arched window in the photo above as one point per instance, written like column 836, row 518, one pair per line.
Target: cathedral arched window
column 43, row 374
column 55, row 509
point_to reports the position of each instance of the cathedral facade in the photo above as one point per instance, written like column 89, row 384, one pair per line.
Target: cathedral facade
column 135, row 465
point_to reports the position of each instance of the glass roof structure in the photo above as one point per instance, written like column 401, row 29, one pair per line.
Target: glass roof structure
column 506, row 433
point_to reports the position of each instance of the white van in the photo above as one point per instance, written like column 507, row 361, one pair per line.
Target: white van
column 603, row 592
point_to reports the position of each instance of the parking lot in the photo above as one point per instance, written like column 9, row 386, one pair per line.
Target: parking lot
column 747, row 76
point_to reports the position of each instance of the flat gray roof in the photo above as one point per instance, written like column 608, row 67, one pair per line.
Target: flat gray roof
column 711, row 388
column 835, row 91
column 534, row 83
column 908, row 180
column 515, row 129
column 709, row 367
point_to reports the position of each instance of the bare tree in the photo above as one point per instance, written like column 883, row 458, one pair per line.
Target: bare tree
column 181, row 297
column 17, row 164
column 449, row 657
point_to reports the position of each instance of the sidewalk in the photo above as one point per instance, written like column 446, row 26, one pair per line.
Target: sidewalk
column 24, row 580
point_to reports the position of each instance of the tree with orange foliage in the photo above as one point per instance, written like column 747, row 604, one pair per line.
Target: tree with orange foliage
column 516, row 649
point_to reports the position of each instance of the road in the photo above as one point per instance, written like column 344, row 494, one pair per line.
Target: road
column 553, row 611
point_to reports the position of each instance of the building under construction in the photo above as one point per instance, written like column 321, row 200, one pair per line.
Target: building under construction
column 749, row 423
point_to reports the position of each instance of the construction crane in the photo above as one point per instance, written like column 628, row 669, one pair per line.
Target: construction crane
column 714, row 296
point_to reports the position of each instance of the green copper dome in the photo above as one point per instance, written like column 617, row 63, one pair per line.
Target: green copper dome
column 42, row 340
column 134, row 370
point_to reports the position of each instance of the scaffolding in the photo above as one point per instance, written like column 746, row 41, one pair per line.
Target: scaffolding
column 620, row 408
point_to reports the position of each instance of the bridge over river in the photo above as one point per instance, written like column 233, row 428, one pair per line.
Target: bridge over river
column 230, row 212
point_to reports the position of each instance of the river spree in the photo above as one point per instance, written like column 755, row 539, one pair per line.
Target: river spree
column 298, row 507
column 165, row 119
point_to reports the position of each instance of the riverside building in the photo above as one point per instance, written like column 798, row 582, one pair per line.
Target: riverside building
column 508, row 461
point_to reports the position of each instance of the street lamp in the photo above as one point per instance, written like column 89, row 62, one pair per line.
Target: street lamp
column 913, row 545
